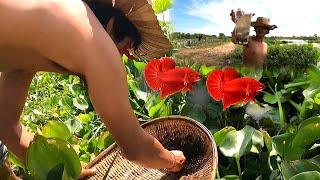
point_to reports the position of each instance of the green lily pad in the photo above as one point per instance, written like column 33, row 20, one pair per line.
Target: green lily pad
column 45, row 154
column 56, row 129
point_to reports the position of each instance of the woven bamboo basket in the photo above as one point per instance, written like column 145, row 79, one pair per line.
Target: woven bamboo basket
column 175, row 133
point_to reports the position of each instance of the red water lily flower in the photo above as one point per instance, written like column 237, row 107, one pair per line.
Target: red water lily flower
column 163, row 75
column 225, row 85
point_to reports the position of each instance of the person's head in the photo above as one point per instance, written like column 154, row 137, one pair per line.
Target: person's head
column 262, row 26
column 261, row 31
column 123, row 32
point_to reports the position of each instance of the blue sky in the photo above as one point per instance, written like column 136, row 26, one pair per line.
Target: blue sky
column 293, row 17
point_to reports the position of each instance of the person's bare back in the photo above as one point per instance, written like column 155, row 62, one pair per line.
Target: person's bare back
column 66, row 36
column 43, row 35
column 255, row 53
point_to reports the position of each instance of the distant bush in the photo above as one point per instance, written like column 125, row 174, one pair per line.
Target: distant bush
column 274, row 42
column 299, row 56
column 235, row 57
column 292, row 55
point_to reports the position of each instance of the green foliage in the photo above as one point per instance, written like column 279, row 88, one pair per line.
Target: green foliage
column 310, row 175
column 160, row 6
column 237, row 143
column 49, row 157
column 292, row 146
column 54, row 129
column 301, row 168
column 235, row 57
column 294, row 56
column 278, row 138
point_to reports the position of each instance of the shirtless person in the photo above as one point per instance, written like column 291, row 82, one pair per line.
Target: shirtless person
column 70, row 36
column 255, row 52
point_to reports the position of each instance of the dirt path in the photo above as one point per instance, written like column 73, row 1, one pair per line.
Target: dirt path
column 209, row 56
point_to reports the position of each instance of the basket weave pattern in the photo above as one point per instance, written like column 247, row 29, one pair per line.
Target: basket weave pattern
column 175, row 133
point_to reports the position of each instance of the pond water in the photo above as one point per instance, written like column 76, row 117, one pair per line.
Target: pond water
column 299, row 42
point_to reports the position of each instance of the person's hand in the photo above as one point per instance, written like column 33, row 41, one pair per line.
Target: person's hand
column 87, row 172
column 233, row 16
column 179, row 159
column 6, row 172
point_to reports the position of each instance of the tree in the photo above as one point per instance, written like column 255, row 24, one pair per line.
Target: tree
column 221, row 36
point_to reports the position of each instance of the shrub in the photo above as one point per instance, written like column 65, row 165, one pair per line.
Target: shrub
column 296, row 56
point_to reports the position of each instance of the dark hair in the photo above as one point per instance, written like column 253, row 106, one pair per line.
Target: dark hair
column 122, row 26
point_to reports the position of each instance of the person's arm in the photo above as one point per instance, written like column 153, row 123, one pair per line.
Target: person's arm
column 233, row 19
column 107, row 84
column 13, row 92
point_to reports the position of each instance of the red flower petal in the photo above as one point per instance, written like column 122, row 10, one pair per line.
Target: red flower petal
column 151, row 74
column 229, row 74
column 178, row 79
column 167, row 63
column 217, row 78
column 214, row 82
column 240, row 90
column 170, row 88
column 156, row 67
column 232, row 98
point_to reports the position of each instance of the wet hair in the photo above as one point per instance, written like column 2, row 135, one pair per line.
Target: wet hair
column 122, row 26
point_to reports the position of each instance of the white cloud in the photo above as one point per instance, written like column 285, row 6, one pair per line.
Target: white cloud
column 292, row 17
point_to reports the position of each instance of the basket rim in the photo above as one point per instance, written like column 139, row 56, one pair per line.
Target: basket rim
column 165, row 118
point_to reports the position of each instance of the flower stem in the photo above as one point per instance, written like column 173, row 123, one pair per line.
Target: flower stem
column 295, row 105
column 290, row 85
column 218, row 175
column 239, row 168
column 281, row 113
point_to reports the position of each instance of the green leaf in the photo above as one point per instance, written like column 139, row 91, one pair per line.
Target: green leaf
column 317, row 98
column 293, row 146
column 45, row 154
column 220, row 135
column 166, row 110
column 311, row 91
column 66, row 101
column 270, row 98
column 73, row 125
column 237, row 143
column 267, row 140
column 155, row 109
column 160, row 109
column 251, row 72
column 80, row 103
column 139, row 65
column 85, row 118
column 257, row 142
column 56, row 172
column 310, row 175
column 159, row 6
column 12, row 158
column 314, row 74
column 205, row 70
column 230, row 177
column 292, row 168
column 308, row 133
column 56, row 129
column 75, row 89
column 105, row 140
column 282, row 144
